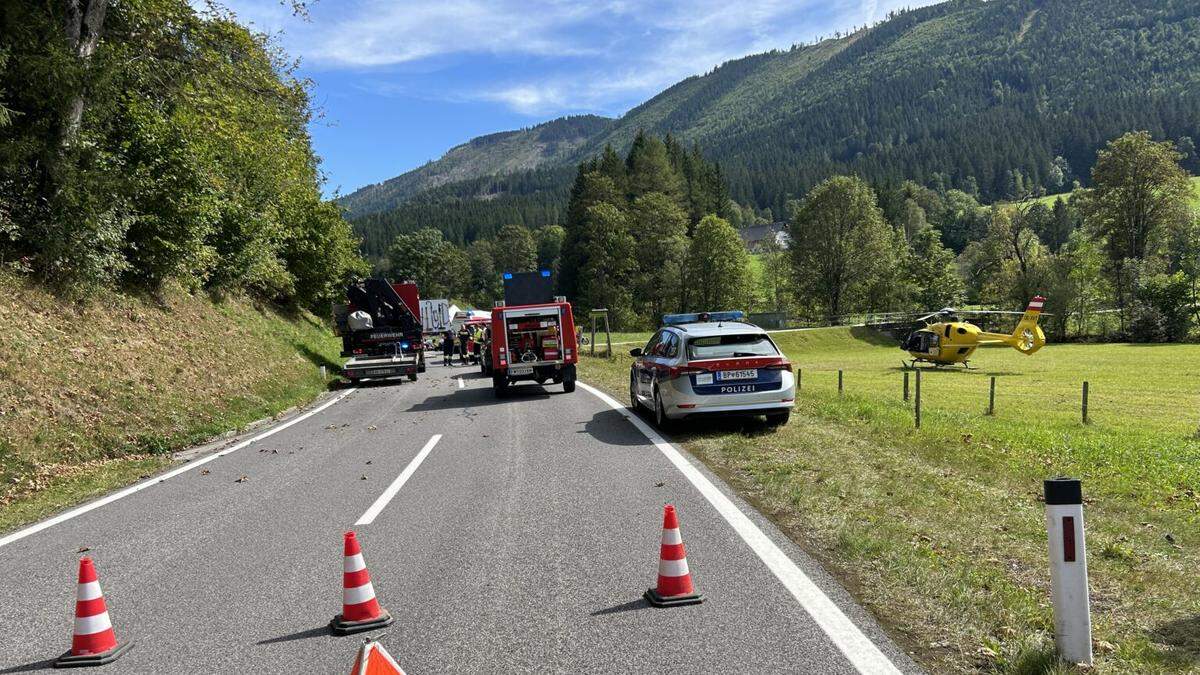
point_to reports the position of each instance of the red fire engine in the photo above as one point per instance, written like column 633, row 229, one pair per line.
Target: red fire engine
column 533, row 334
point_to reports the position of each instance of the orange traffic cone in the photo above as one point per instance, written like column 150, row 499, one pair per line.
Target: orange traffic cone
column 360, row 609
column 373, row 659
column 93, row 642
column 674, row 578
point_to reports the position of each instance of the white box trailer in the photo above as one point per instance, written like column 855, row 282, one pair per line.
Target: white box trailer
column 435, row 316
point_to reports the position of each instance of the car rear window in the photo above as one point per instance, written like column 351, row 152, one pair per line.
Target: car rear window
column 730, row 346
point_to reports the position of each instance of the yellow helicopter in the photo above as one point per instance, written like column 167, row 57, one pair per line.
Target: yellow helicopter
column 949, row 340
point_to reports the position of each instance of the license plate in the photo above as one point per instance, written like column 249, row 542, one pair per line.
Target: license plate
column 727, row 375
column 520, row 370
column 379, row 371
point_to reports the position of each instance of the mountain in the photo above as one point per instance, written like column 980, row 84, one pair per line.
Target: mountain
column 506, row 152
column 993, row 97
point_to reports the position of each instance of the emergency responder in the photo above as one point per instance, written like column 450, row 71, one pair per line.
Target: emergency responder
column 463, row 337
column 477, row 342
column 447, row 347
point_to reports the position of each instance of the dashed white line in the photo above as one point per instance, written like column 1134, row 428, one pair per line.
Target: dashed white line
column 371, row 513
column 79, row 511
column 858, row 649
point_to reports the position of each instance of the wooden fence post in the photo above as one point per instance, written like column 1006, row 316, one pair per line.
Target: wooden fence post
column 992, row 396
column 1085, row 401
column 799, row 380
column 906, row 386
column 917, row 407
column 839, row 382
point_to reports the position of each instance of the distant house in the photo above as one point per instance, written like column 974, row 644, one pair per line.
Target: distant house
column 755, row 237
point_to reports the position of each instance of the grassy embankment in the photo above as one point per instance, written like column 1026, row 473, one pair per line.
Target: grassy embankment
column 940, row 531
column 97, row 394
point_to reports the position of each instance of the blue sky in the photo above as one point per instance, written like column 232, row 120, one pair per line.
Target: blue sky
column 401, row 82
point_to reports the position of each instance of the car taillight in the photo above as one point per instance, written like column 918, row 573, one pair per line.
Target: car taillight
column 680, row 371
column 778, row 366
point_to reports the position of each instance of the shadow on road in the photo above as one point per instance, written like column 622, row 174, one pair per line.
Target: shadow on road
column 477, row 398
column 301, row 635
column 44, row 664
column 610, row 426
column 631, row 606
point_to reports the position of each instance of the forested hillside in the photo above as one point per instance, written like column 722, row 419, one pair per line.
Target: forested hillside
column 507, row 152
column 996, row 99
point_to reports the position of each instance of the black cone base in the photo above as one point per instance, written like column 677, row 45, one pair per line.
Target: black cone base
column 342, row 627
column 69, row 661
column 657, row 600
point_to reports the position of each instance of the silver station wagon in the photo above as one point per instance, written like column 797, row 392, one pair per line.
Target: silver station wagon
column 711, row 364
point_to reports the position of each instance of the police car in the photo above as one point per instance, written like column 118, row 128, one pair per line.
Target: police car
column 711, row 363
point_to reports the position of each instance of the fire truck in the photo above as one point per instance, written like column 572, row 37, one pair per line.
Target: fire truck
column 532, row 334
column 380, row 327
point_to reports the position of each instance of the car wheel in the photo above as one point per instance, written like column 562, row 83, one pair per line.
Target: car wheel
column 633, row 397
column 660, row 415
column 568, row 386
column 778, row 419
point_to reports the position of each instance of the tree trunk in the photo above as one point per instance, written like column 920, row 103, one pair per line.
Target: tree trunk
column 83, row 22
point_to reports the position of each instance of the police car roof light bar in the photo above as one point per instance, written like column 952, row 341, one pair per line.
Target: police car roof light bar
column 697, row 317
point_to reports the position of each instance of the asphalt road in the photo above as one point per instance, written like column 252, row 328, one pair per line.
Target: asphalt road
column 521, row 543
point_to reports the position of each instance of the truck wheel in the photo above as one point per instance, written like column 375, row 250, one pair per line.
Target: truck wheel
column 499, row 384
column 568, row 386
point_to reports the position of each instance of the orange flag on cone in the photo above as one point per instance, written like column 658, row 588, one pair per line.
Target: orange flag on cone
column 674, row 578
column 373, row 659
column 360, row 608
column 93, row 642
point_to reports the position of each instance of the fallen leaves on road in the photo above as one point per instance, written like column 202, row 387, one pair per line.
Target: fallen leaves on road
column 243, row 479
column 364, row 477
column 84, row 549
column 204, row 472
column 372, row 428
column 660, row 483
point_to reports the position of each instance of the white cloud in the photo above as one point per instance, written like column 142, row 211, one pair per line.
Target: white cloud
column 630, row 49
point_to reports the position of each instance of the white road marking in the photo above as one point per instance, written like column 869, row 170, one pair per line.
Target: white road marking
column 461, row 384
column 91, row 506
column 858, row 649
column 378, row 506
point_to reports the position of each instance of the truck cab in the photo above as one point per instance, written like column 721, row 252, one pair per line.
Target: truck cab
column 532, row 335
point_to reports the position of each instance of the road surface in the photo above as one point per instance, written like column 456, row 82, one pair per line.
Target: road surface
column 520, row 541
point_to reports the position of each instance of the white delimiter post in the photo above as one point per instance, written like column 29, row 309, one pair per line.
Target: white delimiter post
column 1068, row 570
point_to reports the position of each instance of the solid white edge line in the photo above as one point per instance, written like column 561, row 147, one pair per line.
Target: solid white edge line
column 858, row 649
column 138, row 487
column 371, row 513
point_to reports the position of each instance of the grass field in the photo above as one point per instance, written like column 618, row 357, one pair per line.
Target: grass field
column 940, row 531
column 1048, row 200
column 95, row 394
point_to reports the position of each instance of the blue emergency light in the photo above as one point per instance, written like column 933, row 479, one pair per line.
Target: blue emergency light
column 699, row 317
column 546, row 273
column 507, row 275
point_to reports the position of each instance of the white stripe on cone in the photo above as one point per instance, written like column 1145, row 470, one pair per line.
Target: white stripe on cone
column 358, row 594
column 86, row 625
column 88, row 590
column 672, row 536
column 353, row 563
column 673, row 568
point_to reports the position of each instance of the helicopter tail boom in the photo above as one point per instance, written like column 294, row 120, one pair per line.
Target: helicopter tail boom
column 1027, row 337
